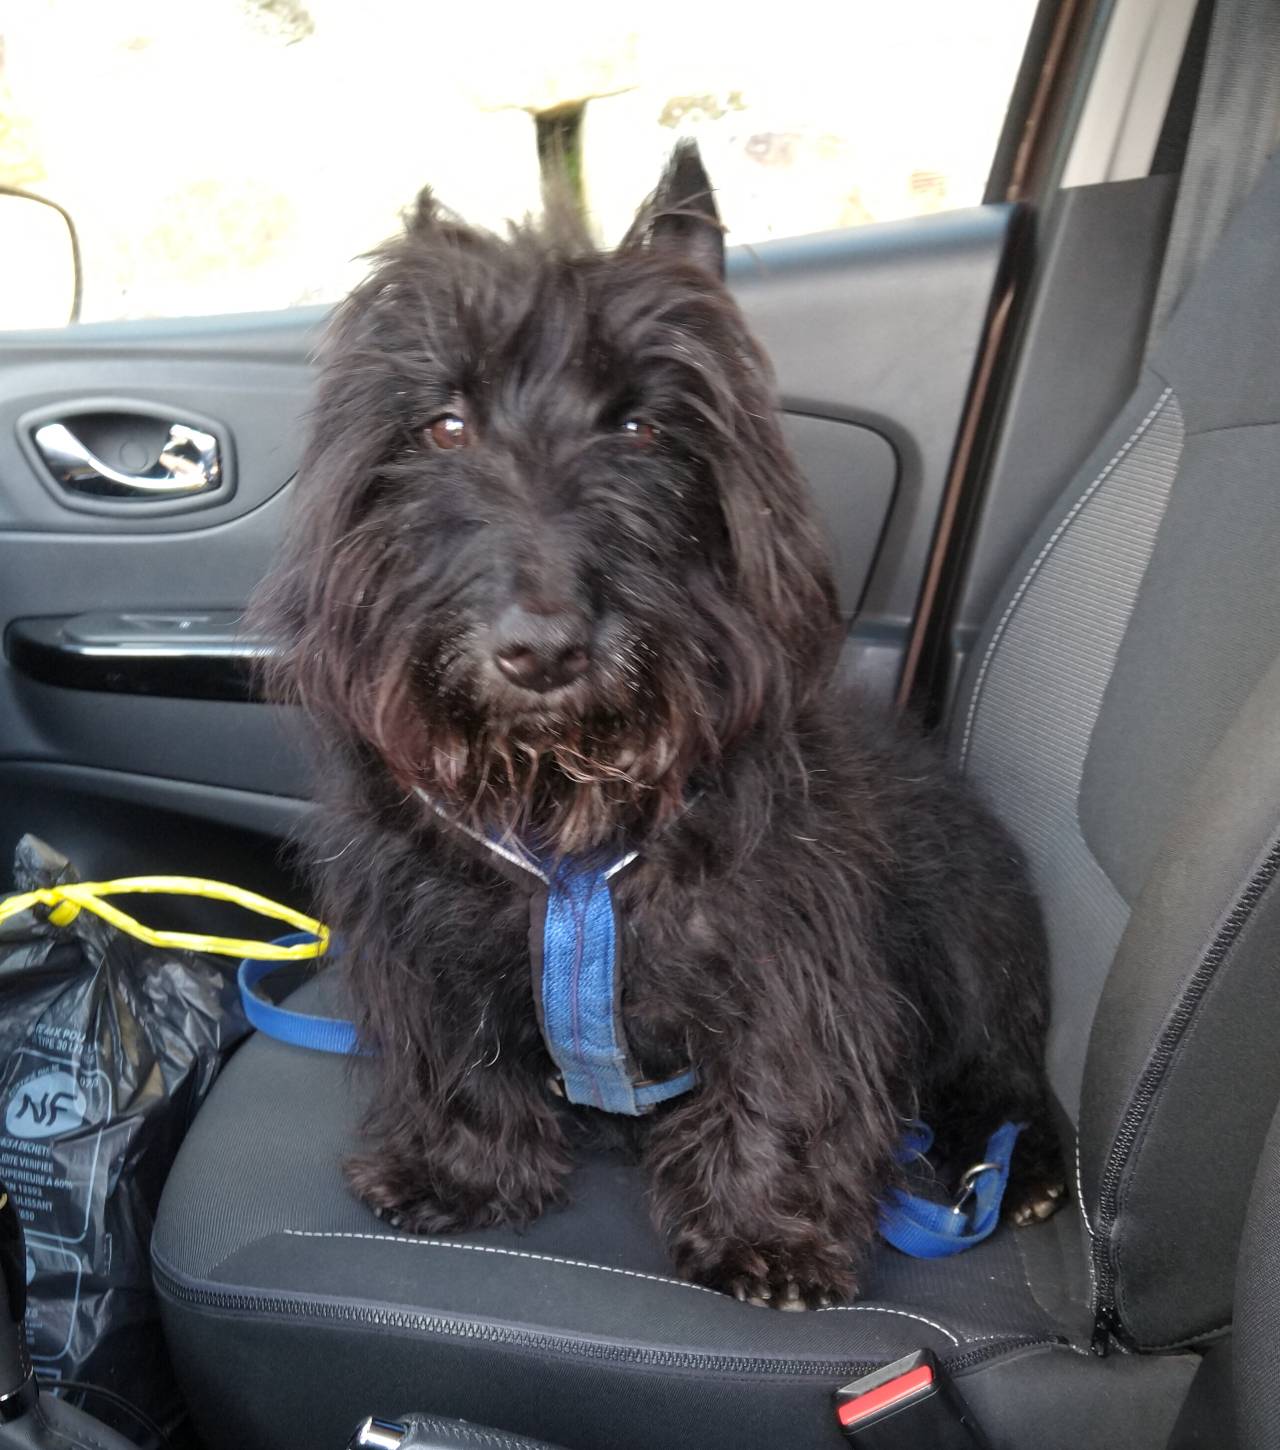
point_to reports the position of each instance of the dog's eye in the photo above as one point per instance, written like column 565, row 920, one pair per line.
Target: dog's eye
column 449, row 431
column 639, row 433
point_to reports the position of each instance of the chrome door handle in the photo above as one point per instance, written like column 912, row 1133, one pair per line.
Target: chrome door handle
column 188, row 464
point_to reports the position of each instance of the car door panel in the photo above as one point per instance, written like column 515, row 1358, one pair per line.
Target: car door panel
column 115, row 823
column 882, row 326
column 257, row 405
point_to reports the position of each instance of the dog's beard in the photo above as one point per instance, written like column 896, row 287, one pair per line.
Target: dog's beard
column 569, row 773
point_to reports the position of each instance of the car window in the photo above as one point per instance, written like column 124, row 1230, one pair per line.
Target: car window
column 235, row 155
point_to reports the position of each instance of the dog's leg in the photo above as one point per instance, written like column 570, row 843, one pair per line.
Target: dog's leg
column 755, row 1202
column 965, row 1112
column 1037, row 1181
column 487, row 1149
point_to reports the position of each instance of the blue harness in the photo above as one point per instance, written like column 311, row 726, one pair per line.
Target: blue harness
column 578, row 991
column 573, row 943
column 580, row 995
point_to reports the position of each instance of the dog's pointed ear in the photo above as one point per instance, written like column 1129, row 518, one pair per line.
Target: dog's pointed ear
column 424, row 215
column 429, row 220
column 681, row 218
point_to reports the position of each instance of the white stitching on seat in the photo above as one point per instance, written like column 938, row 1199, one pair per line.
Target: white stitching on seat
column 1197, row 1338
column 421, row 1243
column 1084, row 1214
column 1084, row 1207
column 1044, row 553
column 880, row 1309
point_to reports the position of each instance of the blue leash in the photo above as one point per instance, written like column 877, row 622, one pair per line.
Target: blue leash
column 298, row 1029
column 923, row 1229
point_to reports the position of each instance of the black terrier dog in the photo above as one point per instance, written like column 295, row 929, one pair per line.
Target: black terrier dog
column 555, row 596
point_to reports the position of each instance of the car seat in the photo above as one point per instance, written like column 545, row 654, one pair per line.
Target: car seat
column 1121, row 713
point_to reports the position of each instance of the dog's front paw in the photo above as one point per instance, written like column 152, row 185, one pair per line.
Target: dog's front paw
column 423, row 1217
column 1034, row 1202
column 399, row 1202
column 793, row 1296
column 406, row 1198
column 793, row 1278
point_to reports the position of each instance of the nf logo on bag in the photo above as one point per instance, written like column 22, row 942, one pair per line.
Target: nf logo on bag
column 45, row 1105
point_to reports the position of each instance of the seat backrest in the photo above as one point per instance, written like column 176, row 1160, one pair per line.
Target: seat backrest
column 1121, row 713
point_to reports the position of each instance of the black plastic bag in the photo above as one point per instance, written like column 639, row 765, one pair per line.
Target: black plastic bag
column 107, row 1048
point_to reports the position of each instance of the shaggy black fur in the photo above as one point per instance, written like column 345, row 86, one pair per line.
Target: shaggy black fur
column 554, row 566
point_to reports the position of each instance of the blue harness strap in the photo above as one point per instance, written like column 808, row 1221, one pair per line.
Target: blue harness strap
column 924, row 1229
column 580, row 997
column 579, row 992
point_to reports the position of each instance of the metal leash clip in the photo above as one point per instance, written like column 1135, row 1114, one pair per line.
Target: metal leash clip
column 969, row 1184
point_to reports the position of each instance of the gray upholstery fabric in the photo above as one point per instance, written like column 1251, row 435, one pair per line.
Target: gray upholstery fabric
column 1121, row 719
column 1186, row 1032
column 1256, row 1366
column 1207, row 620
column 574, row 1330
column 1220, row 348
column 1038, row 686
column 1206, row 626
column 1181, row 799
column 1205, row 1419
column 1234, row 130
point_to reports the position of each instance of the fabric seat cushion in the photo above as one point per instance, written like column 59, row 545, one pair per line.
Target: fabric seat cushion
column 292, row 1311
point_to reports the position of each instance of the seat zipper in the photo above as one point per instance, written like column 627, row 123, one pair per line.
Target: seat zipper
column 1108, row 1324
column 240, row 1301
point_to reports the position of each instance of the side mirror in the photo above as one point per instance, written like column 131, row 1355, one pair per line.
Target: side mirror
column 40, row 278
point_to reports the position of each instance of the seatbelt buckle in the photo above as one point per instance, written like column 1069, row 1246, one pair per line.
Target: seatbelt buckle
column 906, row 1405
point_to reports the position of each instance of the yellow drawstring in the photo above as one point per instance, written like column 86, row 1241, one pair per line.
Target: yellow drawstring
column 66, row 902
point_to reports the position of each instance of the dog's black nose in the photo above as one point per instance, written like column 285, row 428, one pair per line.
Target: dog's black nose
column 541, row 651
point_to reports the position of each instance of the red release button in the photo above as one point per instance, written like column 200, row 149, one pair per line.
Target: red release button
column 885, row 1395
